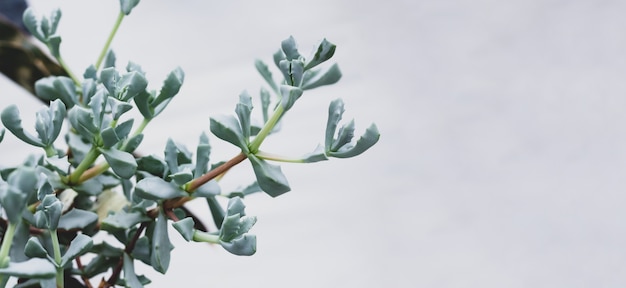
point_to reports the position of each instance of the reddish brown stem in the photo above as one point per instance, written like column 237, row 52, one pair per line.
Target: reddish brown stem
column 215, row 172
column 129, row 249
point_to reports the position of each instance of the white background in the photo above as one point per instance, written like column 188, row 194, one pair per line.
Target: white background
column 502, row 156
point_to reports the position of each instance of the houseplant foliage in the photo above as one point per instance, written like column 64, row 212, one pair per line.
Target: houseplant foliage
column 89, row 179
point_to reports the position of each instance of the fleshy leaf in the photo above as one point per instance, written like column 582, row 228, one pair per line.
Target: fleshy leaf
column 34, row 249
column 208, row 189
column 154, row 188
column 290, row 49
column 203, row 152
column 325, row 50
column 314, row 79
column 32, row 24
column 77, row 219
column 124, row 220
column 122, row 163
column 226, row 127
column 49, row 122
column 243, row 110
column 270, row 177
column 152, row 164
column 293, row 71
column 109, row 59
column 82, row 120
column 57, row 87
column 185, row 228
column 161, row 245
column 266, row 74
column 217, row 212
column 54, row 43
column 130, row 278
column 31, row 268
column 366, row 141
column 79, row 245
column 290, row 96
column 11, row 119
column 51, row 208
column 344, row 136
column 126, row 6
column 335, row 111
column 170, row 88
column 265, row 103
column 317, row 155
column 242, row 246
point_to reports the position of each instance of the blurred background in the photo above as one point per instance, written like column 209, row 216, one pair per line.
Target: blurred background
column 502, row 154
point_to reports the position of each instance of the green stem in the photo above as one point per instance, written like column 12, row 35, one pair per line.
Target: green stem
column 200, row 236
column 276, row 157
column 6, row 244
column 269, row 125
column 68, row 70
column 105, row 49
column 57, row 256
column 90, row 158
column 4, row 251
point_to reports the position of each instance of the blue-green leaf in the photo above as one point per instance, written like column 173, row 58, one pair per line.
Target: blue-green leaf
column 126, row 6
column 290, row 96
column 171, row 156
column 130, row 278
column 266, row 74
column 185, row 228
column 203, row 153
column 319, row 154
column 49, row 212
column 32, row 24
column 123, row 220
column 122, row 163
column 31, row 268
column 243, row 110
column 366, row 141
column 290, row 48
column 34, row 249
column 335, row 111
column 79, row 245
column 317, row 78
column 11, row 119
column 170, row 88
column 57, row 87
column 293, row 71
column 77, row 219
column 154, row 188
column 109, row 59
column 152, row 164
column 270, row 177
column 208, row 189
column 325, row 50
column 181, row 177
column 241, row 246
column 344, row 136
column 217, row 212
column 226, row 127
column 82, row 120
column 265, row 103
column 49, row 122
column 54, row 43
column 161, row 245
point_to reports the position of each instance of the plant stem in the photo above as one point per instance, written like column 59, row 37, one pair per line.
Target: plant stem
column 269, row 125
column 200, row 236
column 57, row 256
column 68, row 70
column 105, row 49
column 91, row 157
column 6, row 245
column 195, row 183
column 276, row 157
